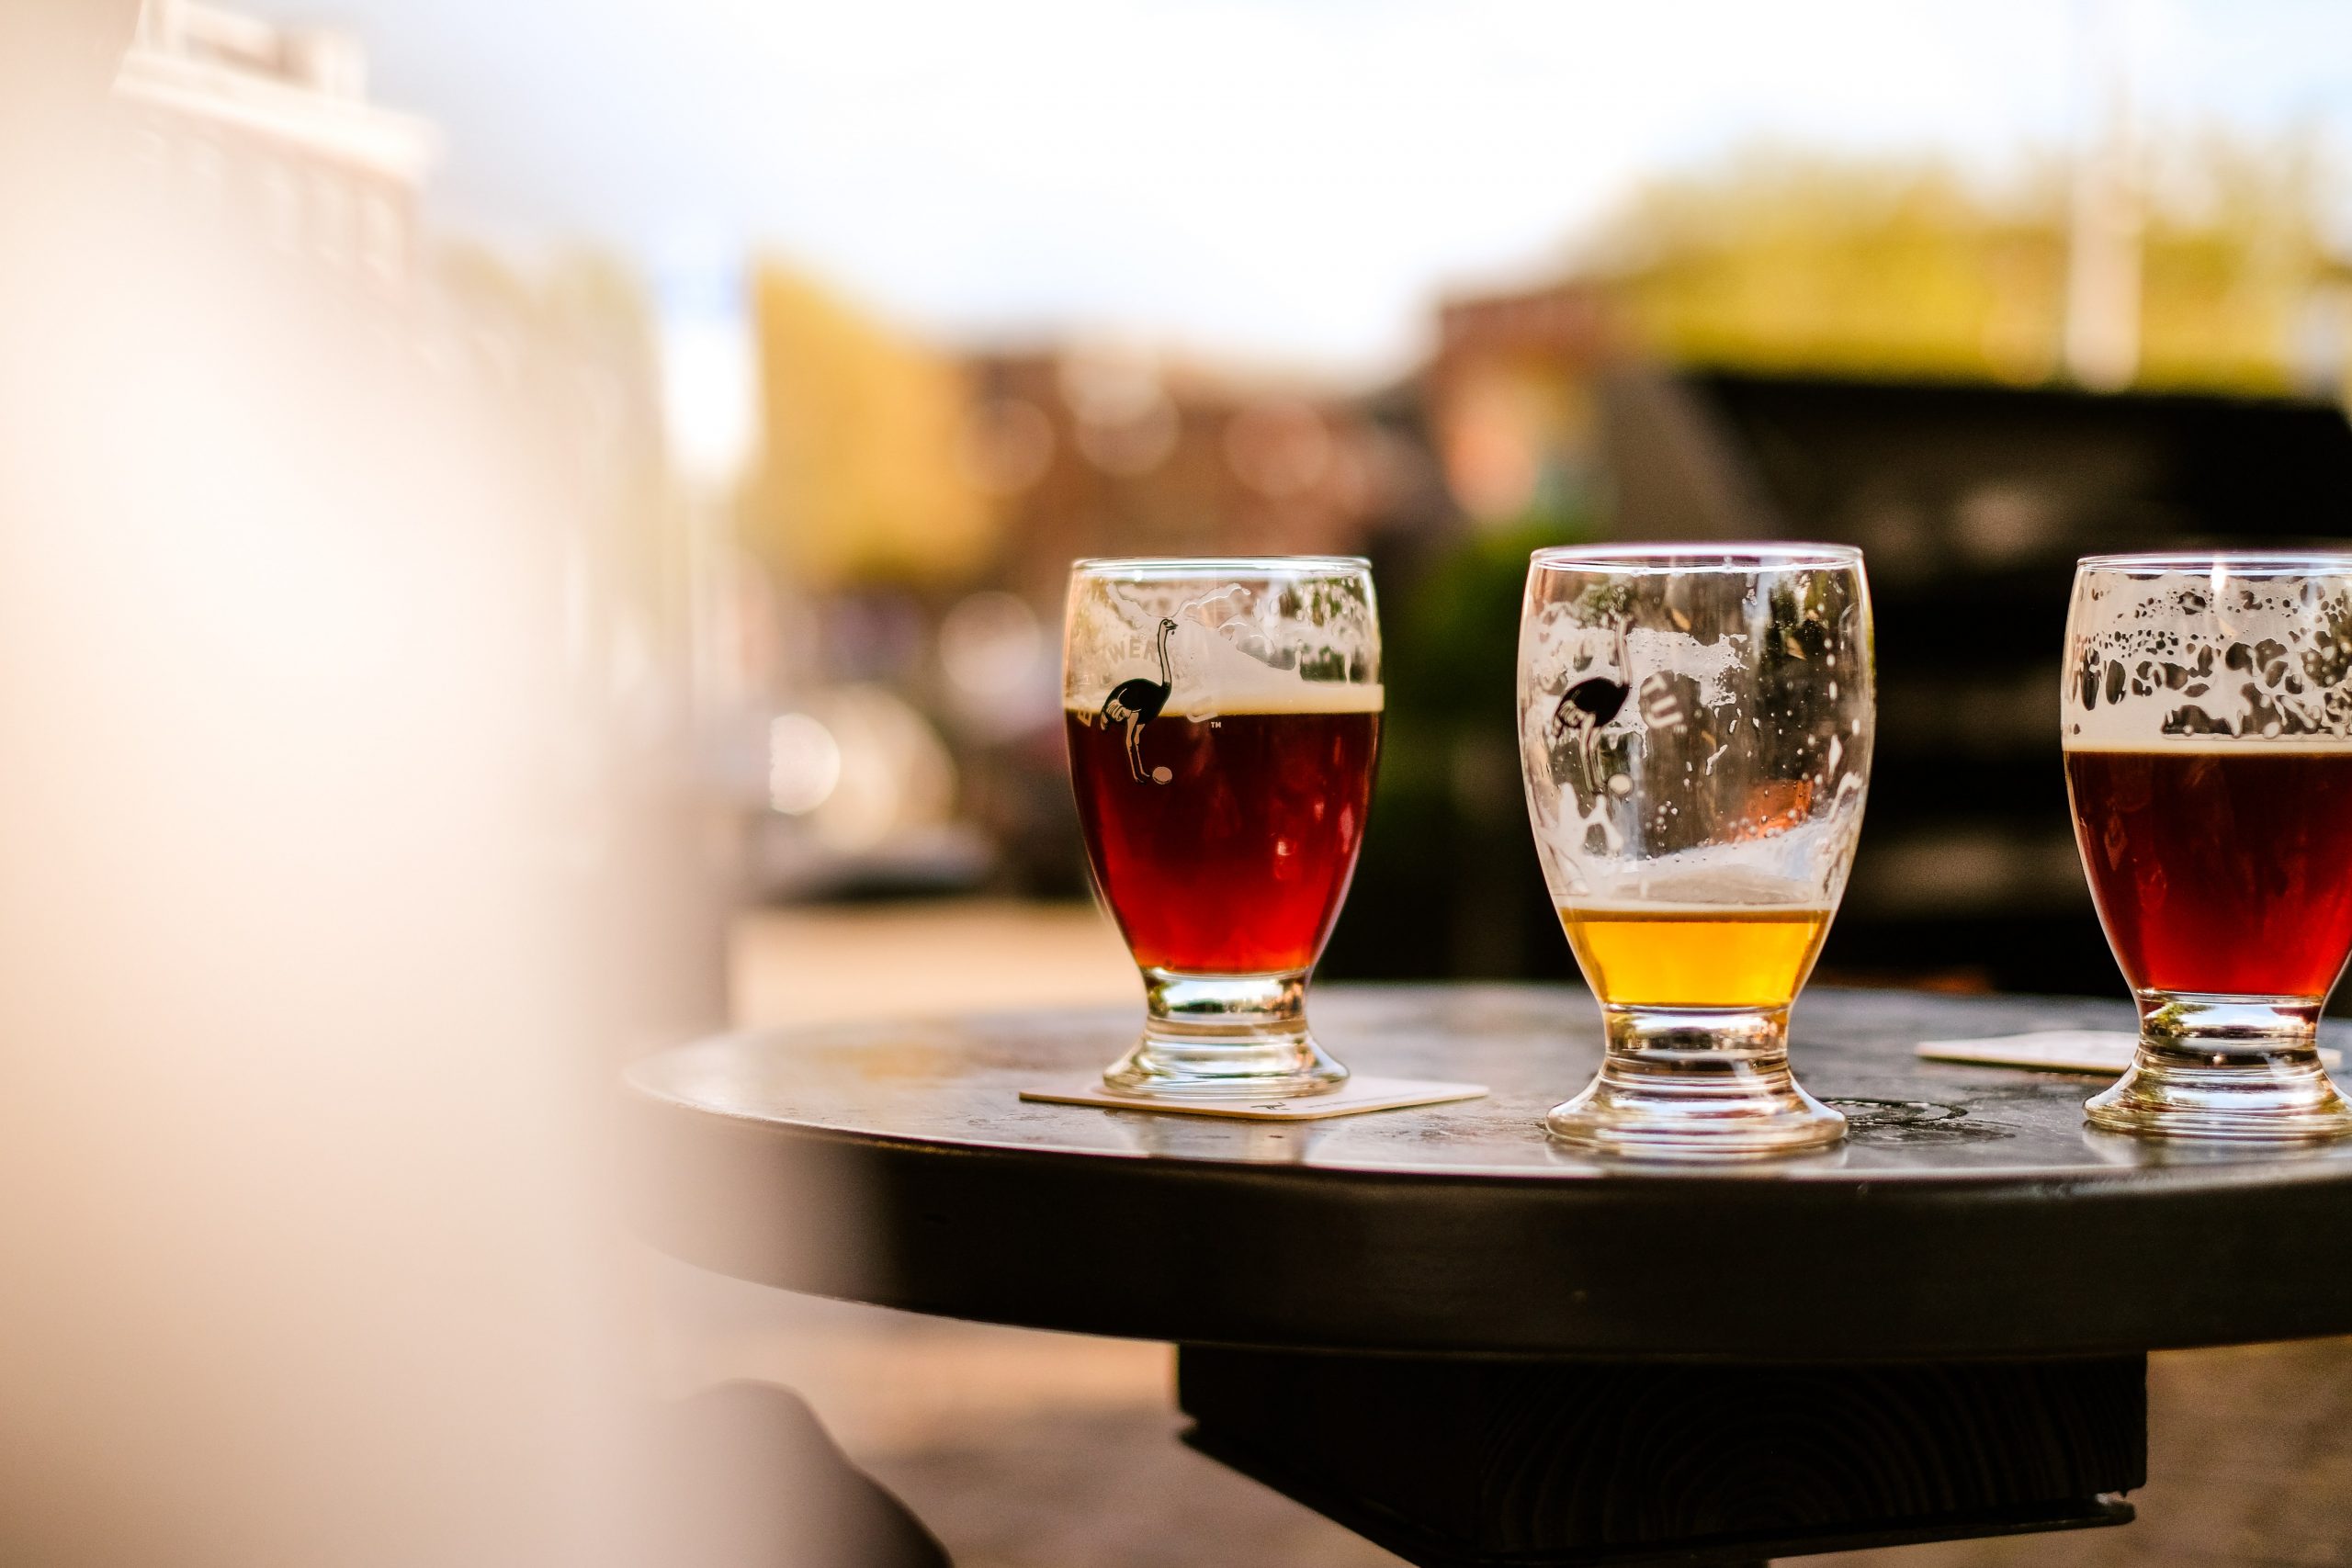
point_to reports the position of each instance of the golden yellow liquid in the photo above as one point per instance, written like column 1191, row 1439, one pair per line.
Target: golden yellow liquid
column 1719, row 957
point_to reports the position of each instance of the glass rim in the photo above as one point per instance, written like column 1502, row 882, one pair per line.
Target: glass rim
column 1171, row 567
column 1696, row 554
column 2230, row 563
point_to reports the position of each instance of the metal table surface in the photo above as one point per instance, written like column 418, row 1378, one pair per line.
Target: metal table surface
column 1970, row 1214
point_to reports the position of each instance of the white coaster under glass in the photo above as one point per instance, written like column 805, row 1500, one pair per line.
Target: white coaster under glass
column 2054, row 1051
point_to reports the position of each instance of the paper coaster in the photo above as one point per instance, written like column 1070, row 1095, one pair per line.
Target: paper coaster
column 1354, row 1098
column 2056, row 1050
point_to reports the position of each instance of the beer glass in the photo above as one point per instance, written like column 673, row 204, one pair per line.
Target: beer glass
column 2207, row 722
column 1224, row 722
column 1695, row 724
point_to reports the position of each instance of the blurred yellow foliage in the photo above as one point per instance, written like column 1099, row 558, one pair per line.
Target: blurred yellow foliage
column 1790, row 262
column 863, row 477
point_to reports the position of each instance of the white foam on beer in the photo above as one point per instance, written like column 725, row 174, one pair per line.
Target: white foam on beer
column 2214, row 746
column 1214, row 678
column 1748, row 876
column 2290, row 695
column 1803, row 865
column 1653, row 910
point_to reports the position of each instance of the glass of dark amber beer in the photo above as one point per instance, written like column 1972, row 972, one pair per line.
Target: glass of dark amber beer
column 2207, row 718
column 1224, row 722
column 1695, row 723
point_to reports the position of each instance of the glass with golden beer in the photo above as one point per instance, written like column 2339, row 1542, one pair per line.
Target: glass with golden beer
column 2208, row 734
column 1695, row 723
column 1224, row 722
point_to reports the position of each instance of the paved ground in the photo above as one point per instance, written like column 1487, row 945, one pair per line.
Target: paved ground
column 1039, row 1451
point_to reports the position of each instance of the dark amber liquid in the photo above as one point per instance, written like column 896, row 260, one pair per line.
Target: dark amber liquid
column 1239, row 864
column 2222, row 869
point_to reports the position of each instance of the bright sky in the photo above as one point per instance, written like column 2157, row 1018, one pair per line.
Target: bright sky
column 1290, row 180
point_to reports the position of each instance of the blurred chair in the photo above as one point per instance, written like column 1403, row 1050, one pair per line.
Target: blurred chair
column 747, row 1478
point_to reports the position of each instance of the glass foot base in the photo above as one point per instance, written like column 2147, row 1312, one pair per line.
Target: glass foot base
column 1226, row 1037
column 1696, row 1084
column 2226, row 1068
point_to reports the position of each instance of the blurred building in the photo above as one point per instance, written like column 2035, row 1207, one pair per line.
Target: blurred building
column 916, row 512
column 894, row 464
column 269, row 130
column 1093, row 450
column 273, row 176
column 1514, row 399
column 263, row 139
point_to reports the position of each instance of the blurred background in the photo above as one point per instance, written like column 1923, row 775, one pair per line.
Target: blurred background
column 828, row 336
column 849, row 330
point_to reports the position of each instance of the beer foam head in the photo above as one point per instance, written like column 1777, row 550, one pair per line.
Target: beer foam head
column 2202, row 653
column 1272, row 639
column 1799, row 867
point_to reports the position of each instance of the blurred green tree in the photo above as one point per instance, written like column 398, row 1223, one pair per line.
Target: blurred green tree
column 1449, row 885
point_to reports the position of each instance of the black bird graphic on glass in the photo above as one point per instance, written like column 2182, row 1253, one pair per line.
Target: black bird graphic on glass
column 1587, row 705
column 1136, row 702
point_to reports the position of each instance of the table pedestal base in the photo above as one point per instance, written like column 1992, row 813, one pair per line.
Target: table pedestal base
column 1469, row 1464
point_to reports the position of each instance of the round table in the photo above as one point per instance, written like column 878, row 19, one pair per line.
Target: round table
column 1970, row 1212
column 1970, row 1230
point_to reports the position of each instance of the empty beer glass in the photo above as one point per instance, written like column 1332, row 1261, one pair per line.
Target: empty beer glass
column 1695, row 724
column 1224, row 722
column 2207, row 721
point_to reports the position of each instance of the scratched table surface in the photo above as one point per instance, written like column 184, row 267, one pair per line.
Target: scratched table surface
column 1969, row 1213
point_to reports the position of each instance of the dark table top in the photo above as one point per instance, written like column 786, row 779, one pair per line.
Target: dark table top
column 1969, row 1213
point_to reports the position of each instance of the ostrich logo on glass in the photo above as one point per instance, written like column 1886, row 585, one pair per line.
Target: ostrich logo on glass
column 1587, row 706
column 1136, row 702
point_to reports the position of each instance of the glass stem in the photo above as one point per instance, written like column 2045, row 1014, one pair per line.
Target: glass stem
column 1223, row 1009
column 1696, row 1083
column 1226, row 1035
column 2222, row 1066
